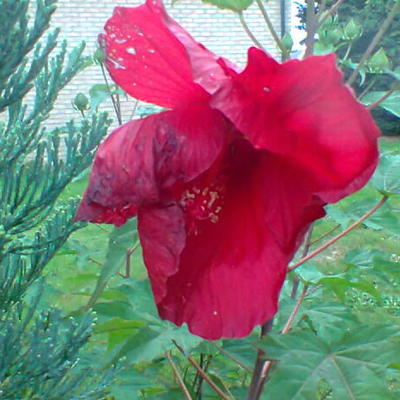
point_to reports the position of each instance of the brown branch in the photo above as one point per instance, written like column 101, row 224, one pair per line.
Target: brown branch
column 93, row 260
column 259, row 377
column 295, row 310
column 382, row 30
column 340, row 235
column 311, row 25
column 325, row 234
column 307, row 245
column 266, row 367
column 384, row 97
column 202, row 373
column 325, row 15
column 102, row 228
column 231, row 357
column 178, row 376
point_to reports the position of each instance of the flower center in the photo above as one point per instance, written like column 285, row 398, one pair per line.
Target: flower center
column 202, row 204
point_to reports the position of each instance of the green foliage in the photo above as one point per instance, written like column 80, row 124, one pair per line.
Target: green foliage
column 348, row 34
column 390, row 104
column 234, row 5
column 387, row 176
column 42, row 356
column 350, row 367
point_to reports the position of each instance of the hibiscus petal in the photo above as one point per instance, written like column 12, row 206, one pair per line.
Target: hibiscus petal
column 221, row 272
column 302, row 111
column 208, row 69
column 140, row 160
column 146, row 59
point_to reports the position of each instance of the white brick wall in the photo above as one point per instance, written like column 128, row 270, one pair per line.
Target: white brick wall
column 217, row 29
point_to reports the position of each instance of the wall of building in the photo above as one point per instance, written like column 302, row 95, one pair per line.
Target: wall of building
column 219, row 30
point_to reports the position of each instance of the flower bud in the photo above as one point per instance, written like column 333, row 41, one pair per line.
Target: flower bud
column 379, row 62
column 99, row 56
column 81, row 102
column 352, row 30
column 287, row 41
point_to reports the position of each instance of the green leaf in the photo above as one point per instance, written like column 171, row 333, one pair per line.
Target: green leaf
column 338, row 215
column 234, row 5
column 308, row 273
column 329, row 320
column 387, row 176
column 241, row 350
column 352, row 366
column 391, row 104
column 116, row 324
column 120, row 240
column 379, row 62
column 340, row 284
column 101, row 92
column 153, row 341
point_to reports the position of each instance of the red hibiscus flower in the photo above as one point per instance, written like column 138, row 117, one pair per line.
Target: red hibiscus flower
column 226, row 182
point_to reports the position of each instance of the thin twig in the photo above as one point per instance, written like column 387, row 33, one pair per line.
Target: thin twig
column 128, row 259
column 178, row 376
column 93, row 260
column 340, row 235
column 249, row 32
column 295, row 310
column 134, row 110
column 324, row 235
column 382, row 30
column 271, row 28
column 306, row 248
column 323, row 16
column 268, row 364
column 111, row 95
column 102, row 228
column 231, row 357
column 383, row 98
column 368, row 88
column 202, row 373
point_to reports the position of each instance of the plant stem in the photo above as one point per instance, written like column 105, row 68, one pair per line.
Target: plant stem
column 340, row 235
column 117, row 113
column 231, row 357
column 178, row 376
column 384, row 27
column 249, row 32
column 93, row 260
column 322, row 17
column 325, row 234
column 268, row 364
column 128, row 259
column 307, row 245
column 271, row 28
column 259, row 372
column 368, row 88
column 202, row 373
column 295, row 310
column 384, row 97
